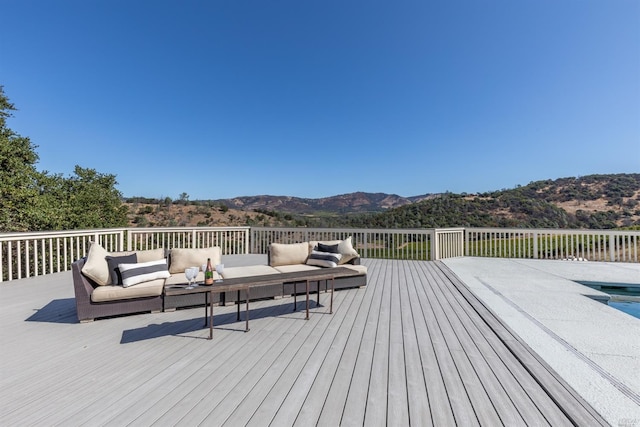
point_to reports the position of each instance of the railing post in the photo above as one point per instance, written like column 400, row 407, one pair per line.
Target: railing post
column 365, row 243
column 2, row 263
column 535, row 245
column 10, row 257
column 612, row 249
column 465, row 243
column 129, row 238
column 435, row 245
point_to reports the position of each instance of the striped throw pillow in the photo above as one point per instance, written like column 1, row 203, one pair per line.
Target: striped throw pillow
column 323, row 259
column 133, row 274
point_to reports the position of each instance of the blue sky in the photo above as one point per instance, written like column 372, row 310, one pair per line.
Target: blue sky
column 311, row 99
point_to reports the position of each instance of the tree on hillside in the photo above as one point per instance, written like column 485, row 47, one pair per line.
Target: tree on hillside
column 94, row 202
column 18, row 174
column 35, row 201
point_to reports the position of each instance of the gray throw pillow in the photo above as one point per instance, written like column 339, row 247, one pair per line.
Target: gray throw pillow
column 333, row 249
column 114, row 271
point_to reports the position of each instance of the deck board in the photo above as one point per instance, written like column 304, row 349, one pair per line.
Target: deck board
column 413, row 347
column 504, row 367
column 458, row 399
column 499, row 404
column 340, row 393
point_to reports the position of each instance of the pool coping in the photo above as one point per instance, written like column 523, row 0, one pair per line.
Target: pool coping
column 595, row 348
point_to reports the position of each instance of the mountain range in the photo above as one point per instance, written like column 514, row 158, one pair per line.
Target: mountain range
column 357, row 202
column 593, row 201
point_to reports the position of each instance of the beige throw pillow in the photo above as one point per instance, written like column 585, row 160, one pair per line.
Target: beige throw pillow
column 347, row 250
column 150, row 255
column 96, row 267
column 183, row 258
column 288, row 253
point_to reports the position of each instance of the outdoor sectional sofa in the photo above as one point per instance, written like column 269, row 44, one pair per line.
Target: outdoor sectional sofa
column 109, row 284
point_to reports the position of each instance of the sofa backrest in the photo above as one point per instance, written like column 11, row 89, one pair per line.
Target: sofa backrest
column 288, row 253
column 181, row 259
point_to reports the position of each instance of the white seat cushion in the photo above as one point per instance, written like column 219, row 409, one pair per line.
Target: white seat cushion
column 250, row 270
column 296, row 267
column 151, row 288
column 361, row 269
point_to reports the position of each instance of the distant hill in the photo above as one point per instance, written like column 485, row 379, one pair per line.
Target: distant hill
column 344, row 203
column 594, row 201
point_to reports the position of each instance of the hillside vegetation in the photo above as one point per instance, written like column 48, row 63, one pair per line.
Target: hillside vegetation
column 594, row 201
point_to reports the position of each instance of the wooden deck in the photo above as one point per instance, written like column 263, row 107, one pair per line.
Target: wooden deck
column 414, row 347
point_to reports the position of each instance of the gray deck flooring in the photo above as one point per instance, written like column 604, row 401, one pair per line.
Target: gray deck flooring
column 414, row 347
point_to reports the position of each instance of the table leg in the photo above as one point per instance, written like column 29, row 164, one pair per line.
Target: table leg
column 295, row 300
column 333, row 280
column 211, row 317
column 307, row 318
column 206, row 303
column 246, row 328
column 238, row 304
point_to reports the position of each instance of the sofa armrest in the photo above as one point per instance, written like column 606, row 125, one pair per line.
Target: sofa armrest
column 81, row 284
column 354, row 261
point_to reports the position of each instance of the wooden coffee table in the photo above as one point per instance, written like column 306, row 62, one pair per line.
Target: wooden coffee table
column 245, row 284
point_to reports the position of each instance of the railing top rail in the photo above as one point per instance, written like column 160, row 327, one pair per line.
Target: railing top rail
column 67, row 233
column 349, row 230
column 554, row 231
column 170, row 229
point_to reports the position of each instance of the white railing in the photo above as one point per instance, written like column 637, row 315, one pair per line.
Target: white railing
column 232, row 240
column 25, row 255
column 448, row 243
column 31, row 254
column 34, row 254
column 592, row 245
column 370, row 243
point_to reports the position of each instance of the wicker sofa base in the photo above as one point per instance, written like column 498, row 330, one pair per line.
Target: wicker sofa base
column 89, row 310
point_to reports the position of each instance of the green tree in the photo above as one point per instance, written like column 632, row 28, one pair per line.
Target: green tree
column 18, row 174
column 94, row 201
column 33, row 201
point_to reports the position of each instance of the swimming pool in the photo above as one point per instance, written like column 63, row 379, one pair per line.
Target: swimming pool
column 624, row 296
column 629, row 307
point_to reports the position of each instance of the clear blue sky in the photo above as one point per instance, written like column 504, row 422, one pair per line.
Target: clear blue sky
column 317, row 98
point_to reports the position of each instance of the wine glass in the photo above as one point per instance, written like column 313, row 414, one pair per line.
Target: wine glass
column 194, row 272
column 219, row 270
column 189, row 274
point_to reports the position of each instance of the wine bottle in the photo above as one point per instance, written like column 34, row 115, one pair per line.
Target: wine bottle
column 208, row 273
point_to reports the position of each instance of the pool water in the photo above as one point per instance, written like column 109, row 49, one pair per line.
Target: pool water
column 629, row 307
column 624, row 297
